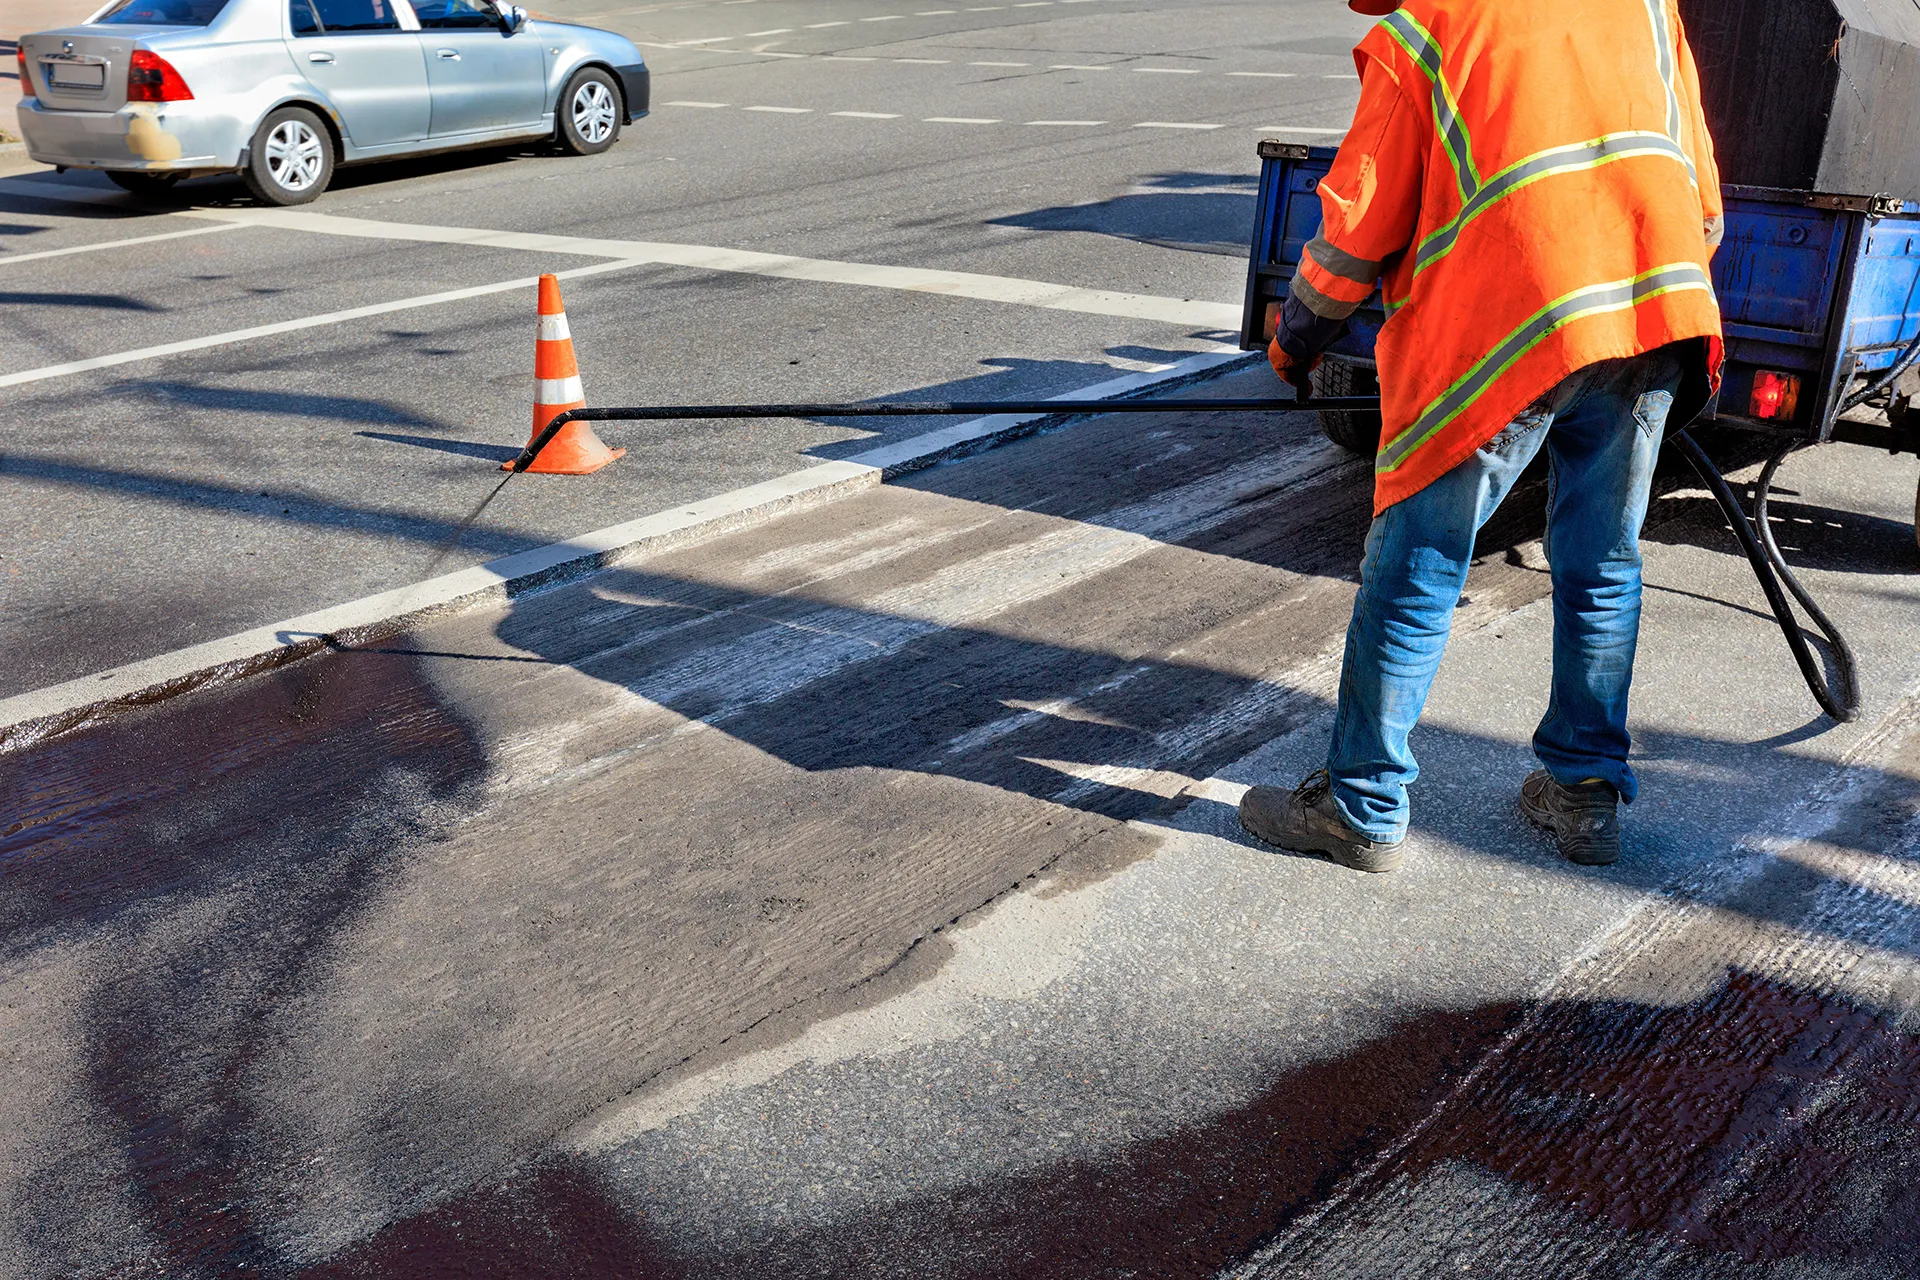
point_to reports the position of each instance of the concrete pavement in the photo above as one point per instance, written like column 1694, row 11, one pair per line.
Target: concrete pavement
column 859, row 894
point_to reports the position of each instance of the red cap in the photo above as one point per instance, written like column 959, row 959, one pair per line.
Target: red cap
column 1373, row 8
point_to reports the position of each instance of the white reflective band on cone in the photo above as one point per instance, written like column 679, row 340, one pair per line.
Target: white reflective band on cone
column 554, row 328
column 552, row 391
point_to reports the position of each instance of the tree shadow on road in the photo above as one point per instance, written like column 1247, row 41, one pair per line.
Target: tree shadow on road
column 1198, row 212
column 1759, row 1129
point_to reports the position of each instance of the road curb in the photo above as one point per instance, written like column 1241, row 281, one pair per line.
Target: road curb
column 30, row 718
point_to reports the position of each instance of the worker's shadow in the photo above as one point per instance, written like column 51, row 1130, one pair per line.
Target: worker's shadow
column 1051, row 698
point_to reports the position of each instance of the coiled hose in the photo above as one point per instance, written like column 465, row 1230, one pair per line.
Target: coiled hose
column 1777, row 581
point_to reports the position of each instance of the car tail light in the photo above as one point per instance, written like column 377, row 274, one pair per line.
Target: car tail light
column 151, row 78
column 26, row 85
column 1775, row 395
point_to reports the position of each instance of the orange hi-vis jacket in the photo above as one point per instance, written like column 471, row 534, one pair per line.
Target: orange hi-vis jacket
column 1533, row 188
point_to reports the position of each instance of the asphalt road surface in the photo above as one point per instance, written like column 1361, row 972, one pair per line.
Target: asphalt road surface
column 163, row 500
column 857, row 893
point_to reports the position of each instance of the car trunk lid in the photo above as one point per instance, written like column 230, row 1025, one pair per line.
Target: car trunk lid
column 80, row 68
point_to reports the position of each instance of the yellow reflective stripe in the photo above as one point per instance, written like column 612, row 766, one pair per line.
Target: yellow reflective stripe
column 1599, row 299
column 1664, row 46
column 1425, row 52
column 1577, row 158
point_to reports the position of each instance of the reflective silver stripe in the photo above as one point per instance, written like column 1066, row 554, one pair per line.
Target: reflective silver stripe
column 1581, row 155
column 1319, row 303
column 1618, row 295
column 1664, row 46
column 1337, row 261
column 558, row 390
column 1425, row 51
column 553, row 328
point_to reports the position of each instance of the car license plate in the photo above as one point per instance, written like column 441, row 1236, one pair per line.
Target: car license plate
column 75, row 75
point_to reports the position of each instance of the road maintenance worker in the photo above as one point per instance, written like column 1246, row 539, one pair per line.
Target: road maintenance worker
column 1532, row 188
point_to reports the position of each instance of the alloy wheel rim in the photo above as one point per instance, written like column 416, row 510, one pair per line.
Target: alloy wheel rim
column 593, row 112
column 294, row 155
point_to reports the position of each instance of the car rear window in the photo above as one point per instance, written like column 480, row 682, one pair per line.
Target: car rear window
column 164, row 13
column 331, row 17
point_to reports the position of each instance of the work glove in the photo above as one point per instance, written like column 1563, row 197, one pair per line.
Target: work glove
column 1298, row 373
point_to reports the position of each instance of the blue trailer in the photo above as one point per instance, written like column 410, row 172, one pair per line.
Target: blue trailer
column 1820, row 296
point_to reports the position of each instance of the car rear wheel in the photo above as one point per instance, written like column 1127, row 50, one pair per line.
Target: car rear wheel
column 143, row 184
column 291, row 161
column 589, row 112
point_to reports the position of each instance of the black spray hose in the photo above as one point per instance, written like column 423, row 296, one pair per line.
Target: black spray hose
column 948, row 408
column 1770, row 567
column 1887, row 378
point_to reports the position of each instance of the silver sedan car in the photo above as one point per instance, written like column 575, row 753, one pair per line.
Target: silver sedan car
column 282, row 91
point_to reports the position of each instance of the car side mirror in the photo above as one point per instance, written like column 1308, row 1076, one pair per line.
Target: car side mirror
column 512, row 18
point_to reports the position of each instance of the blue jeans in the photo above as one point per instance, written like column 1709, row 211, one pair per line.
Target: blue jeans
column 1602, row 428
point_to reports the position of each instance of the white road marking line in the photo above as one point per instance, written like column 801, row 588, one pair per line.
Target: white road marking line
column 1075, row 66
column 885, row 17
column 1033, row 4
column 767, row 53
column 846, row 57
column 707, row 40
column 955, row 120
column 1345, row 77
column 930, row 62
column 105, row 244
column 959, row 284
column 1064, row 124
column 1167, row 124
column 1168, row 71
column 784, row 111
column 815, row 26
column 1287, row 128
column 868, row 115
column 693, row 104
column 1010, row 290
column 999, row 64
column 777, row 31
column 294, row 326
column 935, row 13
column 1272, row 75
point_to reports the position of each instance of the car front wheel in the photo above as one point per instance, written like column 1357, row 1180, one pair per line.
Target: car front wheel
column 292, row 158
column 589, row 112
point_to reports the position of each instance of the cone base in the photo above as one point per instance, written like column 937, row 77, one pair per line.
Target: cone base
column 574, row 450
column 579, row 468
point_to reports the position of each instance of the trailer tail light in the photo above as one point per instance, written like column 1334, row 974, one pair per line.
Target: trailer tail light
column 151, row 78
column 1775, row 395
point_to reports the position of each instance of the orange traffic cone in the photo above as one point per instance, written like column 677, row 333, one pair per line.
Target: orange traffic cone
column 576, row 451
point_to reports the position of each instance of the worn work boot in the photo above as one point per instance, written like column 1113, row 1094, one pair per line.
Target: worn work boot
column 1306, row 821
column 1585, row 819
